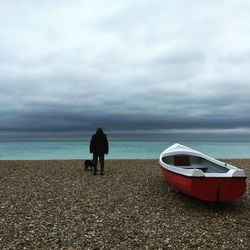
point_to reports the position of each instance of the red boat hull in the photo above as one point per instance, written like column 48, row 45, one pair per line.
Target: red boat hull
column 207, row 188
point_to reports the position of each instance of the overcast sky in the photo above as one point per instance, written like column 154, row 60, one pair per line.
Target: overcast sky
column 155, row 66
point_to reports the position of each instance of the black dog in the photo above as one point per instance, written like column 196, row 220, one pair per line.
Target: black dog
column 88, row 164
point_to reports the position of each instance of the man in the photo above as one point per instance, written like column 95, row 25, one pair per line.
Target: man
column 99, row 147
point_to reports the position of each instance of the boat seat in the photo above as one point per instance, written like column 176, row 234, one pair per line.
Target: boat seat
column 198, row 166
column 190, row 167
column 186, row 167
column 203, row 168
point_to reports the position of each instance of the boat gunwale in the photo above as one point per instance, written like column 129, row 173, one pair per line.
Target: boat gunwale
column 203, row 176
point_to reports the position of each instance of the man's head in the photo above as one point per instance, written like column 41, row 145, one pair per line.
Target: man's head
column 99, row 130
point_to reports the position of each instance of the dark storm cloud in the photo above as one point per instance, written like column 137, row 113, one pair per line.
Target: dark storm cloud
column 144, row 66
column 84, row 121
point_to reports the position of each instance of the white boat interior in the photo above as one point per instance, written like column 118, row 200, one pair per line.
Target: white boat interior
column 194, row 162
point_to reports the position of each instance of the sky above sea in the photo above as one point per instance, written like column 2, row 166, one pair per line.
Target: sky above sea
column 155, row 70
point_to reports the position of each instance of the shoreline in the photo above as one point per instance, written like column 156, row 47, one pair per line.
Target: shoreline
column 118, row 159
column 56, row 204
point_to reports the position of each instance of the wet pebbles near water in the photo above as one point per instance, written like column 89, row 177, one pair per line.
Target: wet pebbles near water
column 58, row 205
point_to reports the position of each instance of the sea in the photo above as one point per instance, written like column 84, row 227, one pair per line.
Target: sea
column 62, row 150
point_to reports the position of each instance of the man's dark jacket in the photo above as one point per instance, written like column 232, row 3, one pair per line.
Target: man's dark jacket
column 99, row 143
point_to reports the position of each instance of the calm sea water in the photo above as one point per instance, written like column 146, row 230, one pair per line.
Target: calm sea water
column 41, row 150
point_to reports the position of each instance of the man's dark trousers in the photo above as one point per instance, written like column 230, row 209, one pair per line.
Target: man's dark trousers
column 95, row 160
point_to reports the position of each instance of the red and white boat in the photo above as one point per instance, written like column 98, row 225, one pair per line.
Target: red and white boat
column 201, row 176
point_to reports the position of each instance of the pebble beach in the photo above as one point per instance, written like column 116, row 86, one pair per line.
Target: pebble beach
column 57, row 205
